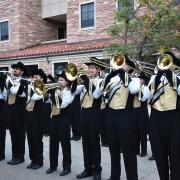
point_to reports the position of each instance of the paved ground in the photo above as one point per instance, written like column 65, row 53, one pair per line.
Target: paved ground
column 146, row 169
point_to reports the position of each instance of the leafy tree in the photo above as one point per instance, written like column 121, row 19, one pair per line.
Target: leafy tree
column 142, row 30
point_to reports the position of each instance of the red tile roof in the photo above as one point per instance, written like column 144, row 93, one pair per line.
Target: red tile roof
column 55, row 48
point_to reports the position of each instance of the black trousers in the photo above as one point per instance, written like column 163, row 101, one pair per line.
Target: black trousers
column 46, row 117
column 121, row 129
column 165, row 140
column 17, row 130
column 2, row 128
column 90, row 130
column 103, row 128
column 75, row 115
column 142, row 120
column 60, row 132
column 34, row 129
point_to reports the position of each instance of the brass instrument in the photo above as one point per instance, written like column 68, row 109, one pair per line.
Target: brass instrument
column 117, row 62
column 147, row 68
column 42, row 89
column 72, row 72
column 165, row 62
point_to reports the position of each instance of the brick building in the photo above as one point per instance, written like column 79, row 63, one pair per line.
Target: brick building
column 48, row 34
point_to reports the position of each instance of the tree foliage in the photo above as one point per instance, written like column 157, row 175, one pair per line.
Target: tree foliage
column 145, row 28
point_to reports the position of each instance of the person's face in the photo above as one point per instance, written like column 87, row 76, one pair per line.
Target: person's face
column 18, row 72
column 142, row 81
column 93, row 70
column 63, row 83
column 37, row 77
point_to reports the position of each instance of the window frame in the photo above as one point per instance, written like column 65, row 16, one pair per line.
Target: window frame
column 91, row 27
column 2, row 21
column 57, row 62
column 136, row 5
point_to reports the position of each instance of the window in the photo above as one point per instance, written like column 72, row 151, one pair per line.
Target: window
column 4, row 31
column 59, row 67
column 121, row 3
column 87, row 15
column 4, row 69
column 61, row 33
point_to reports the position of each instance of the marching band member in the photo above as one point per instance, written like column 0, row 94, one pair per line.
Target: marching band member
column 16, row 109
column 121, row 126
column 164, row 94
column 75, row 113
column 34, row 122
column 60, row 125
column 3, row 96
column 90, row 123
column 47, row 109
column 142, row 116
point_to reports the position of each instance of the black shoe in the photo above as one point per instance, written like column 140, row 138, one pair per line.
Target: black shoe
column 84, row 174
column 2, row 158
column 97, row 177
column 113, row 178
column 30, row 166
column 51, row 170
column 143, row 154
column 77, row 138
column 36, row 166
column 65, row 172
column 15, row 161
column 151, row 158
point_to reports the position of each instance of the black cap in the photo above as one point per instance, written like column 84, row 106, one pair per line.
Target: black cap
column 51, row 78
column 144, row 76
column 129, row 62
column 93, row 63
column 63, row 75
column 41, row 73
column 19, row 65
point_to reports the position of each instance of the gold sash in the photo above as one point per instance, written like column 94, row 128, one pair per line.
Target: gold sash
column 30, row 106
column 11, row 99
column 119, row 99
column 54, row 110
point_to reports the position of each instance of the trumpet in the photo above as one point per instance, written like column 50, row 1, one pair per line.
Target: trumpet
column 42, row 89
column 165, row 62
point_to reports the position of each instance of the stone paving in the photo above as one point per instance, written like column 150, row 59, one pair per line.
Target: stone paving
column 146, row 169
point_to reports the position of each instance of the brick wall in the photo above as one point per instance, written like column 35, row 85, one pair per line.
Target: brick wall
column 104, row 18
column 27, row 27
column 9, row 10
column 33, row 29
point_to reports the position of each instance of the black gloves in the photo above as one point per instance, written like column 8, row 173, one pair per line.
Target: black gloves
column 169, row 76
column 74, row 86
column 109, row 76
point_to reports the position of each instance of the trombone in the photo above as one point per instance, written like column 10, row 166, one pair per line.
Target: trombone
column 145, row 67
column 117, row 62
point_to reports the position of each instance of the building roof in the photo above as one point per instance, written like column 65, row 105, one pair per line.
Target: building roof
column 56, row 48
